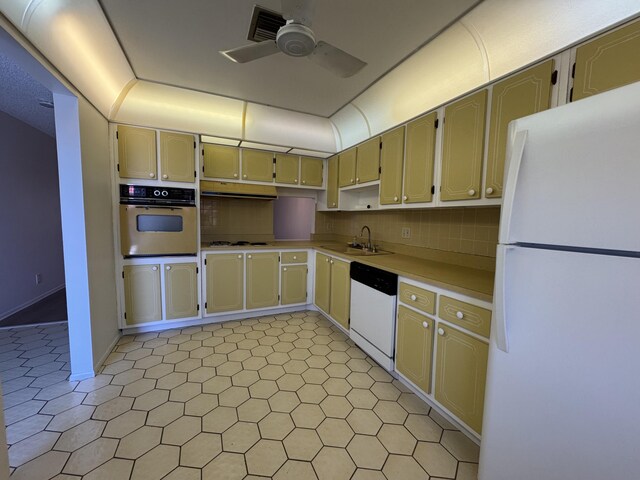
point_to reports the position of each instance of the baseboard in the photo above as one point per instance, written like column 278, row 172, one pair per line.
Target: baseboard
column 101, row 360
column 31, row 302
column 31, row 325
column 77, row 377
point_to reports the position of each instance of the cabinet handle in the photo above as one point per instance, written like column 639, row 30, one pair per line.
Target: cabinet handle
column 413, row 297
column 425, row 324
column 405, row 198
column 151, row 175
column 460, row 315
column 304, row 182
column 249, row 256
column 165, row 176
column 154, row 268
column 239, row 256
column 235, row 175
column 471, row 192
column 441, row 332
column 285, row 269
column 489, row 191
column 395, row 199
column 168, row 267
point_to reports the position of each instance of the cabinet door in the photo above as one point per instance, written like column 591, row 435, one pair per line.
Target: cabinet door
column 391, row 159
column 257, row 165
column 287, row 168
column 142, row 298
column 608, row 62
column 340, row 296
column 137, row 152
column 414, row 347
column 177, row 154
column 262, row 280
column 463, row 147
column 181, row 290
column 368, row 161
column 323, row 282
column 225, row 282
column 419, row 160
column 220, row 161
column 332, row 182
column 311, row 171
column 347, row 168
column 515, row 97
column 461, row 371
column 294, row 284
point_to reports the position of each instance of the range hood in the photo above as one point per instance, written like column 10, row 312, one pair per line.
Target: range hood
column 238, row 190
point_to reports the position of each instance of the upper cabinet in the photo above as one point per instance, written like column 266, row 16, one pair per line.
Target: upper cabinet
column 137, row 152
column 391, row 159
column 257, row 165
column 219, row 161
column 368, row 161
column 609, row 61
column 347, row 168
column 287, row 168
column 332, row 181
column 311, row 170
column 420, row 158
column 515, row 97
column 177, row 157
column 463, row 146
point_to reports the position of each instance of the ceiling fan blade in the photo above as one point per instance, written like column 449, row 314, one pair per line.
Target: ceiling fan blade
column 300, row 11
column 336, row 60
column 248, row 53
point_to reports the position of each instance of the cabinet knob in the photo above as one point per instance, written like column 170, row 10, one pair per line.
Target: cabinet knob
column 165, row 176
column 471, row 192
column 395, row 199
column 239, row 256
column 489, row 191
column 425, row 324
column 405, row 198
column 304, row 181
column 154, row 268
column 413, row 297
column 235, row 175
column 295, row 180
column 326, row 259
column 460, row 315
column 357, row 179
column 244, row 176
column 331, row 262
column 249, row 256
column 333, row 204
column 151, row 175
column 168, row 267
column 351, row 180
column 285, row 269
column 441, row 332
column 295, row 258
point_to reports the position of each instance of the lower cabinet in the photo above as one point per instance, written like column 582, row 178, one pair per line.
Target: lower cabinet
column 225, row 282
column 414, row 347
column 333, row 288
column 181, row 290
column 461, row 371
column 293, row 284
column 262, row 280
column 323, row 282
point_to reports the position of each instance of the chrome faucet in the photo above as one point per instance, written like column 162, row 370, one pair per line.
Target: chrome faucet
column 368, row 244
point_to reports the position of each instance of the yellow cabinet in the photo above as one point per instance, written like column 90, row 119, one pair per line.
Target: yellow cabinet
column 225, row 282
column 332, row 182
column 340, row 296
column 293, row 284
column 461, row 370
column 262, row 280
column 414, row 347
column 347, row 168
column 322, row 289
column 257, row 165
column 287, row 168
column 181, row 290
column 607, row 62
column 463, row 147
column 142, row 297
column 177, row 157
column 471, row 317
column 220, row 161
column 391, row 159
column 137, row 152
column 515, row 97
column 311, row 171
column 419, row 160
column 368, row 161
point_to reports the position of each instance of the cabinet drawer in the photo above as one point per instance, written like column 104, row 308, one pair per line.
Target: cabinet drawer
column 418, row 298
column 294, row 257
column 465, row 315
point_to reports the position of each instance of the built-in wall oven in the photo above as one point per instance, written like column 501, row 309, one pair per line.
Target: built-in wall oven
column 157, row 221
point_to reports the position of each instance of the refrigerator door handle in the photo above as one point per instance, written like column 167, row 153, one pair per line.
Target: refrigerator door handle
column 516, row 151
column 500, row 308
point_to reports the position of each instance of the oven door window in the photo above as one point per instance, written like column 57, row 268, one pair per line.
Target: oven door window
column 159, row 223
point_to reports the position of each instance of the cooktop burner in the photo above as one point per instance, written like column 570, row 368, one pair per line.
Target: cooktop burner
column 239, row 243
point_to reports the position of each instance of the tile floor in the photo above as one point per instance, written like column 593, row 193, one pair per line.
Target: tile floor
column 284, row 397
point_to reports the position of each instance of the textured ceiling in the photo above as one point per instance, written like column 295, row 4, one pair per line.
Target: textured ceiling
column 177, row 43
column 20, row 94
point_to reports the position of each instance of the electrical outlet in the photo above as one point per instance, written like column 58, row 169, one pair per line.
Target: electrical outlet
column 406, row 232
column 38, row 278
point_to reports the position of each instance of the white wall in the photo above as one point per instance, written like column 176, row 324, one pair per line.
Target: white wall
column 31, row 239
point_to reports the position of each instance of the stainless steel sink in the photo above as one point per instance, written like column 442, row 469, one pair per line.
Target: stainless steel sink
column 356, row 252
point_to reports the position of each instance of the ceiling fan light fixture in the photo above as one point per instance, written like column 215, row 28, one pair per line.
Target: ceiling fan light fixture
column 296, row 40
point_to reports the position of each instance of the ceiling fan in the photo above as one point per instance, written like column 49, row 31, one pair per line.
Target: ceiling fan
column 296, row 39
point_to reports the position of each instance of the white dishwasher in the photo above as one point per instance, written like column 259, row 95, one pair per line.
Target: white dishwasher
column 373, row 312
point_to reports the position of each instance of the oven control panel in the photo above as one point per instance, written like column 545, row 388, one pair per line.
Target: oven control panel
column 150, row 195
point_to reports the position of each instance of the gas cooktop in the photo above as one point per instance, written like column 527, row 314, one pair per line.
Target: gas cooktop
column 223, row 243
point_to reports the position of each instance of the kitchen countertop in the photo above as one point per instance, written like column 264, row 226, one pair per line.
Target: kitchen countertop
column 469, row 281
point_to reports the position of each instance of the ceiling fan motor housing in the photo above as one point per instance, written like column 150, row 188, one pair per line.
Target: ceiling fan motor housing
column 296, row 40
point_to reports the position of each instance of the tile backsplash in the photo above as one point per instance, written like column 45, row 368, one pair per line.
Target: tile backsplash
column 462, row 230
column 235, row 219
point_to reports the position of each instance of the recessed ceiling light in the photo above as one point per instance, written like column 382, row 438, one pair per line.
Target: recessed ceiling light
column 45, row 103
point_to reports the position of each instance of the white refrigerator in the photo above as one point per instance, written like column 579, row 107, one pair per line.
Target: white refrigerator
column 563, row 381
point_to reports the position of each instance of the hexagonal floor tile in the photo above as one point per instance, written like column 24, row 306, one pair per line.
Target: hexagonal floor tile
column 156, row 463
column 233, row 396
column 400, row 467
column 265, row 458
column 302, row 444
column 216, row 385
column 423, row 428
column 284, row 402
column 171, row 380
column 335, row 432
column 333, row 464
column 296, row 470
column 253, row 410
column 165, row 414
column 397, row 439
column 185, row 392
column 337, row 407
column 139, row 442
column 460, row 446
column 263, row 389
column 435, row 459
column 290, row 382
column 390, row 412
column 201, row 404
column 337, row 386
column 367, row 452
column 364, row 421
column 240, row 437
column 245, row 378
column 200, row 450
column 307, row 415
column 312, row 393
column 231, row 464
column 181, row 430
column 219, row 419
column 275, row 426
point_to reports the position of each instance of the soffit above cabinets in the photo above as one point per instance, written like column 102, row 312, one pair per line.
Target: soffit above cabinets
column 177, row 43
